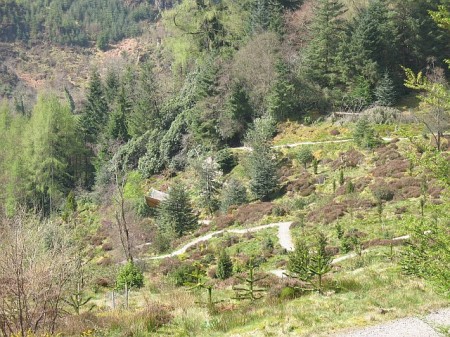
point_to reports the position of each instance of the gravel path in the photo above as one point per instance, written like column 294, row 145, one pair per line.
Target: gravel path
column 336, row 141
column 427, row 326
column 284, row 237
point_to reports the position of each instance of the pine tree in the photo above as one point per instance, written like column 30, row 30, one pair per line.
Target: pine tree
column 234, row 193
column 364, row 134
column 327, row 32
column 310, row 263
column 208, row 181
column 117, row 125
column 385, row 93
column 237, row 114
column 281, row 100
column 95, row 115
column 224, row 266
column 145, row 114
column 175, row 214
column 263, row 173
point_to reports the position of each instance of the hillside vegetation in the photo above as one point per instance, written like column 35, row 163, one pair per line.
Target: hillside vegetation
column 301, row 146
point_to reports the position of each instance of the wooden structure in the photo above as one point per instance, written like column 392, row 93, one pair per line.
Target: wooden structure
column 154, row 198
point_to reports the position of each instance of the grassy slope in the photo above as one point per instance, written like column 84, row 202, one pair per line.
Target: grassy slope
column 362, row 291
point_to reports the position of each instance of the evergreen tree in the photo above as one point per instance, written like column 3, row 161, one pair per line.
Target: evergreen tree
column 95, row 115
column 385, row 91
column 327, row 32
column 51, row 146
column 237, row 114
column 208, row 181
column 281, row 100
column 224, row 266
column 310, row 263
column 117, row 124
column 364, row 134
column 263, row 173
column 145, row 114
column 234, row 193
column 175, row 214
column 112, row 85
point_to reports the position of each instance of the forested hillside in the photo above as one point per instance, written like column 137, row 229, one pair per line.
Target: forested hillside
column 325, row 113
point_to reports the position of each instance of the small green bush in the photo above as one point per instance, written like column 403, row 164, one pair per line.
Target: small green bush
column 131, row 276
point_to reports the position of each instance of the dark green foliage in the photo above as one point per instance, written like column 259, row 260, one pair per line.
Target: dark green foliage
column 385, row 91
column 282, row 100
column 237, row 115
column 226, row 160
column 263, row 173
column 175, row 214
column 117, row 128
column 72, row 22
column 184, row 275
column 145, row 114
column 224, row 266
column 327, row 33
column 350, row 188
column 315, row 164
column 364, row 134
column 261, row 165
column 383, row 193
column 305, row 156
column 341, row 177
column 95, row 115
column 233, row 193
column 129, row 276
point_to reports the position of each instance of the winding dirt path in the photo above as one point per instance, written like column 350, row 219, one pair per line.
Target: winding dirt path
column 284, row 237
column 336, row 141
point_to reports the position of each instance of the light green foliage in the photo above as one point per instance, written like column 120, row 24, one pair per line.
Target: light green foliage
column 198, row 27
column 51, row 143
column 364, row 134
column 224, row 266
column 435, row 100
column 129, row 276
column 208, row 182
column 249, row 291
column 310, row 263
column 233, row 193
column 305, row 156
column 175, row 214
column 261, row 133
column 427, row 254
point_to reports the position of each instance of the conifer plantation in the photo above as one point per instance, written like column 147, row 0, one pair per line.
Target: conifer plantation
column 224, row 168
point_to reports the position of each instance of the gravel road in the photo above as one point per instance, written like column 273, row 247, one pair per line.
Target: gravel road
column 427, row 326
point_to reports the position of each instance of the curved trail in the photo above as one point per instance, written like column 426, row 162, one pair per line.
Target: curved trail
column 284, row 237
column 336, row 141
